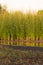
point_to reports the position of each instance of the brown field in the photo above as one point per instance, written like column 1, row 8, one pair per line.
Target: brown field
column 10, row 56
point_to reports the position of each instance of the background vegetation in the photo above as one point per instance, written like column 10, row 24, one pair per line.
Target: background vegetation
column 19, row 26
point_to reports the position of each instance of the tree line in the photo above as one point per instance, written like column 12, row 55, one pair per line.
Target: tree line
column 18, row 25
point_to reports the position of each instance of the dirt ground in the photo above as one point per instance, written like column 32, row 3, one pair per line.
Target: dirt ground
column 9, row 56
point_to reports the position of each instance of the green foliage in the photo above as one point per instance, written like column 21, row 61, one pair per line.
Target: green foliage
column 21, row 26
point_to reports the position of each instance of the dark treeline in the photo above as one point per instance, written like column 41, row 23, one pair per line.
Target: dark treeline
column 18, row 26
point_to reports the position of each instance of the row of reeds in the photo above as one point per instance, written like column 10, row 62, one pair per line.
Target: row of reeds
column 19, row 26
